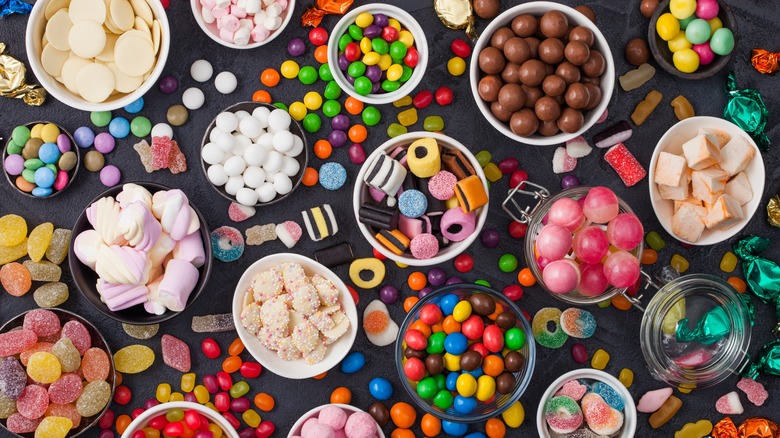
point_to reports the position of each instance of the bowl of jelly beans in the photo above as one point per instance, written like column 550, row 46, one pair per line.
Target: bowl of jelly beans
column 583, row 245
column 175, row 418
column 586, row 402
column 56, row 376
column 41, row 159
column 465, row 353
column 378, row 53
column 692, row 39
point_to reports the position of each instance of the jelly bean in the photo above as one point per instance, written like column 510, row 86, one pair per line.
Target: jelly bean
column 579, row 353
column 738, row 284
column 649, row 256
column 402, row 102
column 239, row 404
column 600, row 359
column 456, row 66
column 210, row 348
column 222, row 401
column 407, row 117
column 122, row 422
column 655, row 241
column 433, row 123
column 492, row 172
column 460, row 48
column 444, row 95
column 123, row 395
column 619, row 301
column 507, row 263
column 626, row 377
column 201, row 393
column 239, row 389
column 395, row 129
column 231, row 364
column 341, row 395
column 728, row 262
column 265, row 429
column 264, row 402
column 679, row 263
column 177, row 396
column 422, row 99
column 163, row 393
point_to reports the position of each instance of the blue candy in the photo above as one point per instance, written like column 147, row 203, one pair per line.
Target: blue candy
column 448, row 303
column 465, row 405
column 227, row 244
column 135, row 107
column 40, row 192
column 452, row 381
column 476, row 435
column 333, row 176
column 456, row 343
column 353, row 362
column 380, row 388
column 412, row 203
column 608, row 393
column 84, row 137
column 44, row 177
column 49, row 153
column 454, row 429
column 119, row 127
column 477, row 373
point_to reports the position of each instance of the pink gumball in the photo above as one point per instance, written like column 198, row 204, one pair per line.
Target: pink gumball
column 706, row 55
column 593, row 282
column 566, row 212
column 542, row 262
column 621, row 269
column 553, row 242
column 625, row 231
column 601, row 205
column 561, row 276
column 707, row 9
column 590, row 244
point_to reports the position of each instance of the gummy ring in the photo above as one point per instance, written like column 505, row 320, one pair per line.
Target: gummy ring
column 545, row 337
column 578, row 323
column 370, row 265
column 227, row 244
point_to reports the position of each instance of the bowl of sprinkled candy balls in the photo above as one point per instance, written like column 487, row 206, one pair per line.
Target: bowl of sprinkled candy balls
column 177, row 415
column 487, row 362
column 421, row 198
column 346, row 419
column 378, row 53
column 259, row 23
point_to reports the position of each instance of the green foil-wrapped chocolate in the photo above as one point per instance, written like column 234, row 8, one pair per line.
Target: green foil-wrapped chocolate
column 767, row 362
column 762, row 275
column 711, row 328
column 747, row 110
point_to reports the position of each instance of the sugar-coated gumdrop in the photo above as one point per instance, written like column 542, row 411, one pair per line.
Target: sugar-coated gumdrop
column 53, row 427
column 24, row 356
column 561, row 276
column 13, row 230
column 78, row 334
column 567, row 213
column 42, row 322
column 729, row 404
column 67, row 410
column 563, row 414
column 93, row 398
column 542, row 334
column 553, row 242
column 573, row 389
column 10, row 253
column 176, row 353
column 43, row 270
column 95, row 365
column 15, row 342
column 621, row 269
column 39, row 240
column 44, row 367
column 16, row 279
column 755, row 391
column 593, row 282
column 601, row 418
column 578, row 323
column 68, row 355
column 141, row 331
column 51, row 294
column 133, row 359
column 625, row 231
column 58, row 247
column 33, row 401
column 66, row 389
column 12, row 378
column 590, row 244
column 601, row 205
column 18, row 423
column 7, row 406
column 609, row 394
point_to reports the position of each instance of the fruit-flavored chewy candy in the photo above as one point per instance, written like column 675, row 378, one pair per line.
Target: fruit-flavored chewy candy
column 133, row 359
column 13, row 230
column 542, row 334
column 176, row 353
column 16, row 279
column 563, row 414
column 665, row 412
column 227, row 244
column 625, row 164
column 600, row 359
column 600, row 417
column 578, row 323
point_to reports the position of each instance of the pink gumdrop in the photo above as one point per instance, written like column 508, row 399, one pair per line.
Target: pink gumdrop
column 593, row 282
column 61, row 181
column 707, row 9
column 553, row 242
column 561, row 276
column 621, row 269
column 601, row 205
column 706, row 55
column 625, row 231
column 590, row 244
column 566, row 212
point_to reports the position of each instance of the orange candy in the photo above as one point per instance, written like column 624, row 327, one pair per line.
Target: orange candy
column 236, row 347
column 499, row 310
column 322, row 149
column 402, row 433
column 438, row 327
column 421, row 327
column 738, row 284
column 403, row 415
column 261, row 96
column 409, row 303
column 357, row 133
column 122, row 422
column 118, row 378
column 320, row 376
column 231, row 364
column 353, row 106
column 321, row 54
column 417, row 281
column 621, row 302
column 269, row 77
column 24, row 185
column 341, row 395
column 450, row 325
column 264, row 402
column 526, row 278
column 495, row 428
column 493, row 365
column 430, row 425
column 310, row 177
column 649, row 256
column 16, row 279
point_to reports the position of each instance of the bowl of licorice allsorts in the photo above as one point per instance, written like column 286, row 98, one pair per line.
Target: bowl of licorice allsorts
column 71, row 374
column 421, row 198
column 141, row 253
column 586, row 400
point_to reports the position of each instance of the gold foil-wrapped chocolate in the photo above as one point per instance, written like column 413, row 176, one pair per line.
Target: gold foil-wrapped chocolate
column 13, row 81
column 758, row 427
column 456, row 14
column 725, row 428
column 773, row 211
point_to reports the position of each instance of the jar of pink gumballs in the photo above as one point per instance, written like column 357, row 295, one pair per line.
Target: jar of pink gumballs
column 582, row 245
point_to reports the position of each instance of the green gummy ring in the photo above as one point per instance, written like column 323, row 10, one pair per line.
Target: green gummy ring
column 545, row 337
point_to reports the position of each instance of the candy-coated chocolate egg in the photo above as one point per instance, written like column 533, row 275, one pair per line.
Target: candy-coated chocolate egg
column 722, row 42
column 686, row 60
column 667, row 26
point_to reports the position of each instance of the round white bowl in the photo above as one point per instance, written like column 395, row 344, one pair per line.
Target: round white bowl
column 576, row 18
column 142, row 420
column 36, row 26
column 629, row 411
column 296, row 429
column 672, row 142
column 211, row 30
column 360, row 194
column 408, row 22
column 294, row 369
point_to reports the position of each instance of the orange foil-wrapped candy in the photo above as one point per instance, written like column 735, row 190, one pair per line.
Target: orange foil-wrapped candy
column 765, row 61
column 725, row 429
column 313, row 16
column 758, row 427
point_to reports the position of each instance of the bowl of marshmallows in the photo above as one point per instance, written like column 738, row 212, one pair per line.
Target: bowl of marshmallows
column 242, row 24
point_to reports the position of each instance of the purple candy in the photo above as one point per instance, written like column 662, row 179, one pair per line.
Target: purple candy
column 373, row 73
column 63, row 143
column 239, row 405
column 106, row 433
column 246, row 433
column 376, row 194
column 351, row 80
column 13, row 378
column 437, row 276
column 569, row 181
column 168, row 84
column 149, row 404
column 84, row 137
column 190, row 397
column 375, row 87
column 424, row 291
column 453, row 280
column 296, row 47
column 210, row 382
column 343, row 62
column 509, row 165
column 388, row 294
column 14, row 164
column 372, row 31
column 104, row 143
column 337, row 138
column 490, row 238
column 357, row 154
column 110, row 175
column 340, row 122
column 381, row 20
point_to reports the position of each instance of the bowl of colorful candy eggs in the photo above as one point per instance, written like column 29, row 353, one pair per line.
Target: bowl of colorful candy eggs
column 378, row 53
column 141, row 253
column 69, row 367
column 174, row 418
column 343, row 420
column 583, row 245
column 40, row 159
column 477, row 365
column 254, row 154
column 692, row 39
column 586, row 400
column 421, row 198
column 248, row 25
column 96, row 55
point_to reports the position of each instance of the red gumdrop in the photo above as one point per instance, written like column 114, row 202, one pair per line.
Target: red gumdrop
column 231, row 419
column 159, row 422
column 192, row 419
column 138, row 434
column 210, row 348
column 579, row 353
column 136, row 413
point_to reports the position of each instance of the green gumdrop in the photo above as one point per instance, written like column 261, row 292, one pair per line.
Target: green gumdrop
column 395, row 129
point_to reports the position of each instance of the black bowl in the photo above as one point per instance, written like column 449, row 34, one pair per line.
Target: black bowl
column 663, row 56
column 86, row 279
column 295, row 128
column 97, row 341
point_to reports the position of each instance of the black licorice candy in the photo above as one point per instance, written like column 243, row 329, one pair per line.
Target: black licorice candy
column 383, row 218
column 617, row 133
column 336, row 255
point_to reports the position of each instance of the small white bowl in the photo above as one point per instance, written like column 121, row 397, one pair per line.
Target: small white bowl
column 408, row 22
column 296, row 429
column 672, row 142
column 142, row 420
column 211, row 30
column 294, row 369
column 575, row 18
column 360, row 194
column 36, row 26
column 629, row 410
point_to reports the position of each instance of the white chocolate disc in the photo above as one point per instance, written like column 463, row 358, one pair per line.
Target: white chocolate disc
column 156, row 36
column 94, row 10
column 95, row 82
column 53, row 59
column 125, row 83
column 107, row 55
column 57, row 30
column 134, row 53
column 142, row 9
column 87, row 38
column 122, row 14
column 140, row 25
column 54, row 6
column 70, row 72
column 111, row 27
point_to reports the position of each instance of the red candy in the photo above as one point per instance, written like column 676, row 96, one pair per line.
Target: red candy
column 107, row 420
column 12, row 343
column 579, row 353
column 210, row 348
column 352, row 52
column 414, row 369
column 231, row 419
column 18, row 423
column 473, row 327
column 390, row 34
column 443, row 95
column 176, row 353
column 513, row 292
column 412, row 57
column 43, row 322
column 625, row 164
column 122, row 395
column 174, row 429
column 508, row 166
column 224, row 380
column 415, row 339
column 138, row 434
column 479, row 347
column 422, row 99
column 210, row 382
column 78, row 334
column 460, row 48
column 493, row 338
column 318, row 36
column 517, row 229
column 378, row 254
column 222, row 401
column 429, row 314
column 464, row 263
column 136, row 413
column 192, row 419
column 353, row 292
column 33, row 401
column 250, row 370
column 161, row 152
column 265, row 429
column 66, row 389
column 518, row 177
column 158, row 422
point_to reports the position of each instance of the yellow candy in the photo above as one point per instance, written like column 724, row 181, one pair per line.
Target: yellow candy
column 365, row 45
column 202, row 394
column 451, row 203
column 686, row 60
column 715, row 23
column 626, row 377
column 188, row 382
column 312, row 100
column 682, row 9
column 151, row 432
column 514, row 416
column 466, row 385
column 53, row 427
column 394, row 24
column 11, row 253
column 49, row 133
column 456, row 66
column 163, row 393
column 35, row 131
column 492, row 173
column 679, row 42
column 402, row 102
column 673, row 316
column 451, row 362
column 371, row 58
column 680, row 263
column 600, row 359
column 385, row 61
column 133, row 359
column 401, row 265
column 289, row 69
column 297, row 110
column 694, row 430
column 408, row 117
column 394, row 72
column 364, row 20
column 406, row 37
column 215, row 430
column 39, row 240
column 251, row 418
column 486, row 387
column 729, row 262
column 13, row 229
column 667, row 26
column 177, row 396
column 686, row 388
column 211, row 406
column 462, row 311
column 44, row 367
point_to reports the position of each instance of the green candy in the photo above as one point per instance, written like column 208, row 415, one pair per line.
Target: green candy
column 655, row 241
column 433, row 123
column 356, row 69
column 427, row 387
column 514, row 339
column 14, row 149
column 443, row 399
column 698, row 31
column 174, row 415
column 722, row 42
column 325, row 73
column 371, row 116
column 604, row 304
column 331, row 108
column 363, row 85
column 29, row 175
column 307, row 75
column 280, row 105
column 395, row 129
column 343, row 41
column 436, row 343
column 390, row 86
column 140, row 126
column 33, row 164
column 380, row 46
column 398, row 50
column 355, row 32
column 686, row 21
column 483, row 157
column 507, row 263
column 407, row 74
column 332, row 90
column 483, row 283
column 312, row 122
column 52, row 167
column 441, row 381
column 100, row 118
column 238, row 389
column 20, row 135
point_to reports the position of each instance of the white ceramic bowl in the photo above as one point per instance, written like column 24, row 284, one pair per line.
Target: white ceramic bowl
column 408, row 22
column 629, row 411
column 538, row 9
column 672, row 142
column 360, row 194
column 211, row 30
column 296, row 429
column 36, row 26
column 142, row 420
column 295, row 369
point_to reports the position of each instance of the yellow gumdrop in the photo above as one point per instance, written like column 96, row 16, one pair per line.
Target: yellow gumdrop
column 202, row 394
column 49, row 133
column 215, row 430
column 679, row 42
column 133, row 359
column 39, row 240
column 177, row 396
column 514, row 416
column 402, row 102
column 667, row 26
column 188, row 382
column 53, row 427
column 163, row 393
column 13, row 230
column 408, row 117
column 44, row 367
column 694, row 430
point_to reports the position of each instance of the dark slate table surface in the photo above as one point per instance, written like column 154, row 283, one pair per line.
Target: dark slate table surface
column 618, row 331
